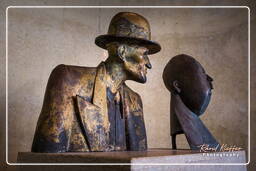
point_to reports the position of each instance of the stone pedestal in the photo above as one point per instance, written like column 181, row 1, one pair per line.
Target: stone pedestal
column 153, row 159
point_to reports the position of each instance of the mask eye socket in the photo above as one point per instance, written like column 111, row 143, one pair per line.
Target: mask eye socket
column 209, row 78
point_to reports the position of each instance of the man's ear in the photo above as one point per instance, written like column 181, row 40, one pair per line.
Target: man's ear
column 121, row 51
column 176, row 86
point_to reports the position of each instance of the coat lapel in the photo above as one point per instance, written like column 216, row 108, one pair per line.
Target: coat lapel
column 100, row 94
column 94, row 116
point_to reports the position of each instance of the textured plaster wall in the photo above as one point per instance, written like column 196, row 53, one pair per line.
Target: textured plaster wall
column 40, row 39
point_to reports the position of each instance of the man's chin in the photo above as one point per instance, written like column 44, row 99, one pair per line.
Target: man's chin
column 142, row 80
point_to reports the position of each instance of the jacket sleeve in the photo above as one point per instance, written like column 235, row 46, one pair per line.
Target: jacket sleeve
column 54, row 123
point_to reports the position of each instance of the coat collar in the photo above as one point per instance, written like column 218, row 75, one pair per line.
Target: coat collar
column 100, row 94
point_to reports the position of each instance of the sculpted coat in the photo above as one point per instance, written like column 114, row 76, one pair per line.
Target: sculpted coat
column 74, row 115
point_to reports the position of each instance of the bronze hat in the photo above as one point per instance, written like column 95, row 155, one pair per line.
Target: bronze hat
column 129, row 27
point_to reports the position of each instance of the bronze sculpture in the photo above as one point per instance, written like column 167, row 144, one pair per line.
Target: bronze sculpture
column 91, row 108
column 191, row 90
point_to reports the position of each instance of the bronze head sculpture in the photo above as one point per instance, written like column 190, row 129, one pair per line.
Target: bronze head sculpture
column 191, row 90
column 91, row 108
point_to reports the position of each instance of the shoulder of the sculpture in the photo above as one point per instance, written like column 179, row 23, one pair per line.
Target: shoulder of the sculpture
column 63, row 70
column 59, row 68
column 63, row 76
column 73, row 68
column 58, row 73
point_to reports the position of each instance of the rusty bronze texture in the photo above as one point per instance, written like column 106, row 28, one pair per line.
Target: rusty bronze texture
column 191, row 90
column 91, row 108
column 130, row 28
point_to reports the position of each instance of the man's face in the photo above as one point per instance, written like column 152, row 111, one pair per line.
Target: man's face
column 136, row 63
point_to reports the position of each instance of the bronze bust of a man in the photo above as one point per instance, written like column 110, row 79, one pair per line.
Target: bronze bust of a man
column 191, row 90
column 91, row 108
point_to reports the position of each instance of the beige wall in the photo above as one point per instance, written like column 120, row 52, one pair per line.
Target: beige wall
column 40, row 39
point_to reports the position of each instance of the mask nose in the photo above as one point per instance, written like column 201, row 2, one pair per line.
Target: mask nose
column 210, row 79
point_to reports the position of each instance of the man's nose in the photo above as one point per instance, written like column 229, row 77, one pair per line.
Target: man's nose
column 148, row 64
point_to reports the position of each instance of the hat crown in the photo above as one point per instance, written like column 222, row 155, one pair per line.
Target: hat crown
column 128, row 24
column 131, row 28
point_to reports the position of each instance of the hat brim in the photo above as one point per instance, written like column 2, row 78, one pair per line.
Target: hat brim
column 103, row 40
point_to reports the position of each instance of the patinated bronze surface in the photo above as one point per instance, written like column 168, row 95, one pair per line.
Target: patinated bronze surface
column 191, row 90
column 91, row 108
